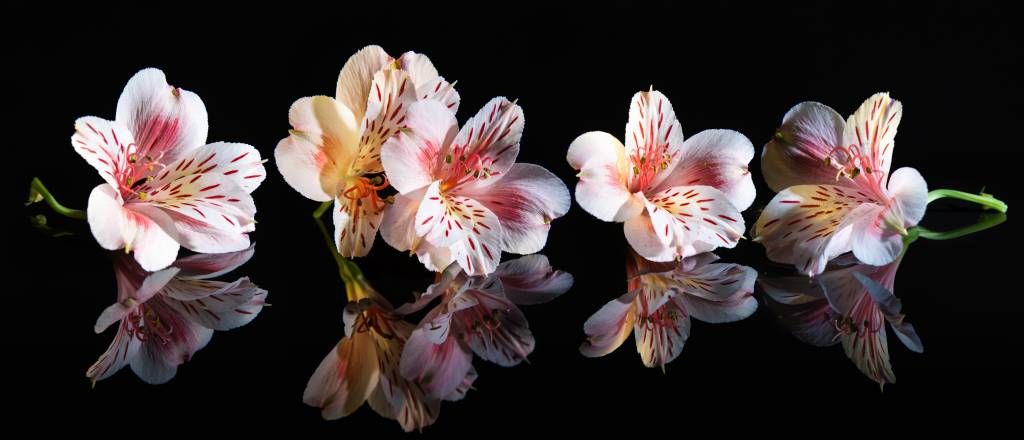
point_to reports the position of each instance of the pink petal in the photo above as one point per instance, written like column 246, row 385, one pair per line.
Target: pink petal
column 439, row 368
column 216, row 304
column 910, row 194
column 872, row 242
column 409, row 159
column 206, row 266
column 167, row 122
column 525, row 201
column 355, row 225
column 719, row 292
column 321, row 149
column 107, row 146
column 391, row 94
column 345, row 378
column 122, row 350
column 356, row 77
column 719, row 159
column 399, row 231
column 241, row 162
column 531, row 280
column 602, row 190
column 397, row 397
column 429, row 85
column 179, row 338
column 463, row 225
column 661, row 332
column 495, row 329
column 609, row 327
column 653, row 138
column 685, row 220
column 872, row 129
column 486, row 146
column 796, row 155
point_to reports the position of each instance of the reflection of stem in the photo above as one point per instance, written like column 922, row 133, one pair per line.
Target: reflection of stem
column 349, row 271
column 38, row 190
column 982, row 199
column 319, row 212
column 986, row 221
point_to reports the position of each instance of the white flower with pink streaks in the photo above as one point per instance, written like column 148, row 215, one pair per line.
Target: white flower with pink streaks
column 165, row 187
column 333, row 150
column 163, row 318
column 836, row 194
column 477, row 315
column 677, row 198
column 462, row 198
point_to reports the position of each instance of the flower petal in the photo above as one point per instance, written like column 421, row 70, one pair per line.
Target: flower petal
column 719, row 292
column 486, row 146
column 122, row 350
column 320, row 149
column 910, row 194
column 356, row 77
column 439, row 368
column 160, row 355
column 241, row 162
column 609, row 327
column 661, row 333
column 891, row 307
column 409, row 158
column 466, row 227
column 386, row 112
column 167, row 122
column 602, row 190
column 807, row 225
column 526, row 200
column 719, row 159
column 796, row 155
column 216, row 304
column 355, row 225
column 106, row 217
column 496, row 330
column 206, row 266
column 531, row 280
column 345, row 378
column 396, row 397
column 398, row 228
column 802, row 308
column 653, row 138
column 429, row 85
column 871, row 241
column 872, row 128
column 146, row 233
column 687, row 219
column 107, row 146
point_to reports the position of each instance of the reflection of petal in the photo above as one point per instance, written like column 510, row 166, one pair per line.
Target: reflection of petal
column 802, row 308
column 661, row 333
column 608, row 328
column 531, row 280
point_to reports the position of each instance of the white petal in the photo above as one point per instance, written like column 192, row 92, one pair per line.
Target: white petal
column 796, row 155
column 653, row 137
column 872, row 128
column 106, row 217
column 910, row 192
column 719, row 159
column 410, row 158
column 355, row 225
column 321, row 148
column 602, row 190
column 357, row 76
column 107, row 146
column 167, row 121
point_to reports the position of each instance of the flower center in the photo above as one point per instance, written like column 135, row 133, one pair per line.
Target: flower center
column 360, row 188
column 648, row 161
column 465, row 166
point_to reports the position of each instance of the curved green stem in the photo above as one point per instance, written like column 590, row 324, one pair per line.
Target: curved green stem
column 349, row 271
column 38, row 192
column 982, row 199
column 319, row 212
column 986, row 222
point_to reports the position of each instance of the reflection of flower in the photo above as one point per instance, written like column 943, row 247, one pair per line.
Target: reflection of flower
column 477, row 315
column 463, row 198
column 835, row 191
column 848, row 304
column 365, row 366
column 165, row 187
column 165, row 317
column 677, row 198
column 333, row 151
column 661, row 299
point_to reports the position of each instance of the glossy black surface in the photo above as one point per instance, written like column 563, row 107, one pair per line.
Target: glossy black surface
column 956, row 68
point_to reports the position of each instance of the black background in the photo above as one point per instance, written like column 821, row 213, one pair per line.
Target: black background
column 956, row 67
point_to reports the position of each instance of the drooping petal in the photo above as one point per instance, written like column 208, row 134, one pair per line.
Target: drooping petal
column 525, row 201
column 661, row 332
column 108, row 146
column 167, row 122
column 356, row 77
column 530, row 280
column 320, row 149
column 609, row 327
column 719, row 159
column 910, row 194
column 602, row 190
column 872, row 129
column 122, row 350
column 429, row 85
column 718, row 292
column 356, row 222
column 410, row 158
column 205, row 266
column 440, row 368
column 391, row 94
column 809, row 133
column 496, row 330
column 807, row 225
column 169, row 345
column 345, row 378
column 653, row 139
column 486, row 146
column 218, row 305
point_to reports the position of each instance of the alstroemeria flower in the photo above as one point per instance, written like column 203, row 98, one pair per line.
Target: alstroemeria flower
column 364, row 366
column 835, row 190
column 462, row 196
column 676, row 198
column 848, row 304
column 477, row 315
column 662, row 297
column 163, row 318
column 165, row 187
column 333, row 150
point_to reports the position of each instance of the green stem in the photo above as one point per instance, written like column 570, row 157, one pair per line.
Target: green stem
column 982, row 199
column 319, row 212
column 38, row 191
column 348, row 270
column 986, row 221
